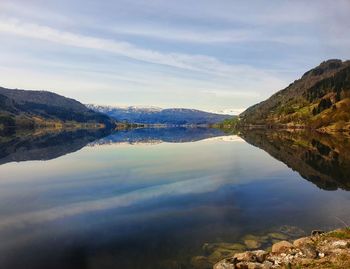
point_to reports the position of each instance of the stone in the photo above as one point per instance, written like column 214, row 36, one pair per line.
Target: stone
column 302, row 241
column 267, row 265
column 223, row 265
column 254, row 265
column 264, row 238
column 309, row 251
column 281, row 246
column 260, row 255
column 242, row 265
column 216, row 256
column 247, row 256
column 278, row 236
column 277, row 262
column 317, row 232
column 233, row 247
column 292, row 231
column 201, row 262
column 289, row 258
column 252, row 243
column 340, row 244
column 251, row 236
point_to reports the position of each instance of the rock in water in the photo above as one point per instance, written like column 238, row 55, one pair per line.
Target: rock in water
column 252, row 243
column 224, row 265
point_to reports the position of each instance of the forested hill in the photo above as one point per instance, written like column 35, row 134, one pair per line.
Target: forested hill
column 320, row 99
column 42, row 108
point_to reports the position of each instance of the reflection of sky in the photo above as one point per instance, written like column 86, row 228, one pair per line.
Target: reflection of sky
column 109, row 171
column 126, row 195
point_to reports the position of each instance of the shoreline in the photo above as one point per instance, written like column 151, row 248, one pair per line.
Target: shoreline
column 241, row 129
column 320, row 250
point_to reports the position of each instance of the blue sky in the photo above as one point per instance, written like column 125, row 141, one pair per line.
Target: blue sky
column 211, row 55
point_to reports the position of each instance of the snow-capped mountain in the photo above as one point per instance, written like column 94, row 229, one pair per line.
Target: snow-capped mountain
column 156, row 115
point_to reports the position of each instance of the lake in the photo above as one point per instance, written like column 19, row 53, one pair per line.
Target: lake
column 164, row 198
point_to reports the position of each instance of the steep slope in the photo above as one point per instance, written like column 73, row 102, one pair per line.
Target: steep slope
column 31, row 108
column 154, row 115
column 320, row 99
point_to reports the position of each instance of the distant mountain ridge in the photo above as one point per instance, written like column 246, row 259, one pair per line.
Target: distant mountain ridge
column 320, row 99
column 155, row 115
column 30, row 108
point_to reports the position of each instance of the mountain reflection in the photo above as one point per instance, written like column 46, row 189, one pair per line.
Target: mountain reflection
column 320, row 158
column 43, row 144
column 46, row 145
column 159, row 135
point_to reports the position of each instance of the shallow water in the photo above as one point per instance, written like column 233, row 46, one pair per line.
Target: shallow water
column 151, row 198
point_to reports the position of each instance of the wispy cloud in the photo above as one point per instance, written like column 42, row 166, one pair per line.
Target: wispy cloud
column 207, row 36
column 186, row 35
column 200, row 63
column 220, row 55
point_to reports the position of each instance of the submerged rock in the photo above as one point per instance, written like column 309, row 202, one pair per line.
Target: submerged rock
column 278, row 236
column 201, row 262
column 211, row 247
column 252, row 243
column 292, row 231
column 218, row 255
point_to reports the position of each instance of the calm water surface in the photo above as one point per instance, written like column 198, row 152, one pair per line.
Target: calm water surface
column 152, row 198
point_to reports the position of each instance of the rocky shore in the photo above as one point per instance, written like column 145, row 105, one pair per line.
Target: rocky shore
column 320, row 250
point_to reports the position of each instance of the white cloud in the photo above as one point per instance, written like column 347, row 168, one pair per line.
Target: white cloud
column 186, row 35
column 206, row 36
column 199, row 63
column 222, row 57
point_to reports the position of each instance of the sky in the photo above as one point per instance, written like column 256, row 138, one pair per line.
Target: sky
column 221, row 55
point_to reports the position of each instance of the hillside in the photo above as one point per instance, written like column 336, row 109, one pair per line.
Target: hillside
column 154, row 115
column 42, row 108
column 323, row 159
column 320, row 99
